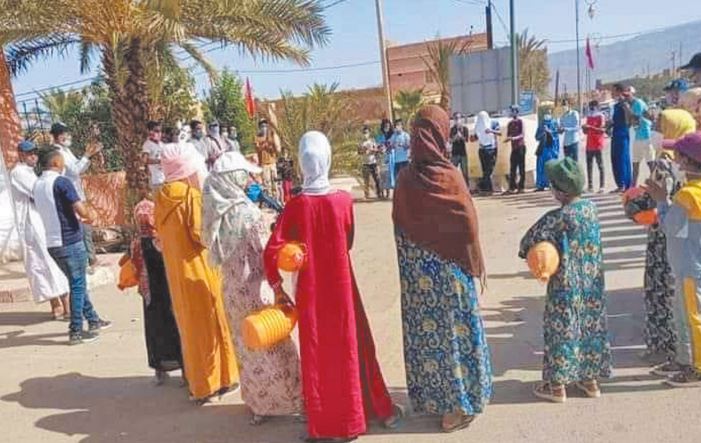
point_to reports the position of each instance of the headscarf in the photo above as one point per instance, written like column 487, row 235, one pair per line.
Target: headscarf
column 180, row 161
column 432, row 205
column 483, row 125
column 676, row 123
column 228, row 216
column 315, row 161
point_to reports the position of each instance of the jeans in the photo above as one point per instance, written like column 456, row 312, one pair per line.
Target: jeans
column 73, row 260
column 89, row 244
column 591, row 156
column 572, row 151
column 460, row 162
column 488, row 159
column 518, row 164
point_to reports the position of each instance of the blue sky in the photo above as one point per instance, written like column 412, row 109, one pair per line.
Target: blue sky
column 354, row 39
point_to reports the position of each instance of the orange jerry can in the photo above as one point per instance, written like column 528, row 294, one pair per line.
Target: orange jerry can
column 268, row 326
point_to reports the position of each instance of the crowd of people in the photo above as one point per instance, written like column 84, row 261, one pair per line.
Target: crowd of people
column 206, row 258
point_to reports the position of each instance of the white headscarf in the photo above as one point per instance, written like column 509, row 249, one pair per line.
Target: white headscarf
column 315, row 161
column 482, row 125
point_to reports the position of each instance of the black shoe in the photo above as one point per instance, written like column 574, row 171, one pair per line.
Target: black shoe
column 100, row 325
column 80, row 337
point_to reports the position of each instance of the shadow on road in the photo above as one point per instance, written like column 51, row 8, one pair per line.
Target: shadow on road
column 24, row 318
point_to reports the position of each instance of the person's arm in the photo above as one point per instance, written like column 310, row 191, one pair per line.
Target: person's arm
column 83, row 212
column 194, row 217
column 280, row 236
column 23, row 183
column 74, row 166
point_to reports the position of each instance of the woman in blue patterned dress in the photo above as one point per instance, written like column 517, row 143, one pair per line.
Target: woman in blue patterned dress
column 575, row 333
column 447, row 360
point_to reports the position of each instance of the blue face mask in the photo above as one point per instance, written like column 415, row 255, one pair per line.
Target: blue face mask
column 198, row 134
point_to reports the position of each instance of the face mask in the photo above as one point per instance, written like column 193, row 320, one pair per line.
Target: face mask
column 67, row 142
column 225, row 134
column 233, row 134
column 214, row 131
column 264, row 130
column 197, row 135
column 366, row 134
column 399, row 128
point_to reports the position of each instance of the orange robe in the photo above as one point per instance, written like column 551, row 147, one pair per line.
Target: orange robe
column 195, row 288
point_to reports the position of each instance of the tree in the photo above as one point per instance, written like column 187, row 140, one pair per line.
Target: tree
column 177, row 102
column 408, row 103
column 322, row 108
column 226, row 103
column 534, row 72
column 131, row 36
column 438, row 64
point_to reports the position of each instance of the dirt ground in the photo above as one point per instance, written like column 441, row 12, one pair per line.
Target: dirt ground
column 102, row 392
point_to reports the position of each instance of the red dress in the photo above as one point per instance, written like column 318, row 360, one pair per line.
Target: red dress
column 341, row 379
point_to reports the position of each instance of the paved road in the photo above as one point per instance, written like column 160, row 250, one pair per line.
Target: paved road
column 101, row 392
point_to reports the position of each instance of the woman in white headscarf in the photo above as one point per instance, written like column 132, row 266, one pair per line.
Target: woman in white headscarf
column 234, row 232
column 486, row 137
column 341, row 379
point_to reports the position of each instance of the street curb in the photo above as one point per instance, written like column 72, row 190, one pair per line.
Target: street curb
column 103, row 276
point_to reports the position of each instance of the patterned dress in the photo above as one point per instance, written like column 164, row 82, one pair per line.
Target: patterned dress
column 447, row 360
column 270, row 379
column 574, row 323
column 660, row 331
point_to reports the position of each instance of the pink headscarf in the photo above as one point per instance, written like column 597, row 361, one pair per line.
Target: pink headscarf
column 180, row 161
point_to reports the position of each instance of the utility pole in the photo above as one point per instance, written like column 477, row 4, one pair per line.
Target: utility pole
column 490, row 32
column 514, row 54
column 383, row 58
column 579, row 58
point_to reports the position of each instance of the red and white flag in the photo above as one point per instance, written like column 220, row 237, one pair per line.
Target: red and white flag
column 250, row 101
column 590, row 55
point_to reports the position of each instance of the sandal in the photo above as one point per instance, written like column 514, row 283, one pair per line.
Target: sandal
column 548, row 391
column 590, row 388
column 456, row 421
column 688, row 378
column 396, row 419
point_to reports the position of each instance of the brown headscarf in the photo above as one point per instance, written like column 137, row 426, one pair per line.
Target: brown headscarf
column 432, row 204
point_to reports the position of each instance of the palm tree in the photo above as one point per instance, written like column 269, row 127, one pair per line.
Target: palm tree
column 438, row 64
column 408, row 103
column 133, row 37
column 60, row 103
column 533, row 63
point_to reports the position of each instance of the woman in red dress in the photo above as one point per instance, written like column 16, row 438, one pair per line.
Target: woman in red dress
column 341, row 379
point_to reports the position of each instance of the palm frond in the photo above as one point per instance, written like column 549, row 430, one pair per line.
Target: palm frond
column 22, row 54
column 87, row 55
column 197, row 55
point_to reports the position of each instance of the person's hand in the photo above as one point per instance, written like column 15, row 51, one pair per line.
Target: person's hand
column 507, row 139
column 92, row 149
column 656, row 190
column 281, row 297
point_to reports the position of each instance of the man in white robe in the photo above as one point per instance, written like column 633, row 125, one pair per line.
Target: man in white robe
column 46, row 280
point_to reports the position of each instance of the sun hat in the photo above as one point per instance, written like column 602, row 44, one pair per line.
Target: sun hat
column 565, row 175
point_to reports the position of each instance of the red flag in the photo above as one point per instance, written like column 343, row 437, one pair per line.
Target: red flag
column 590, row 55
column 250, row 101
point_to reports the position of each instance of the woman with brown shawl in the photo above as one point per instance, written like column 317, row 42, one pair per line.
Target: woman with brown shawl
column 447, row 360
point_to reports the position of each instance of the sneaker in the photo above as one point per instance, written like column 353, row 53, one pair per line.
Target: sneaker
column 688, row 378
column 79, row 337
column 667, row 369
column 101, row 325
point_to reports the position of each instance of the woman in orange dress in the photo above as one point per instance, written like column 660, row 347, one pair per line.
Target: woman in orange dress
column 195, row 287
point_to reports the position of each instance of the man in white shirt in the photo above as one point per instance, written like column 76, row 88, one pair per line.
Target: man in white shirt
column 230, row 136
column 215, row 145
column 74, row 168
column 151, row 154
column 46, row 280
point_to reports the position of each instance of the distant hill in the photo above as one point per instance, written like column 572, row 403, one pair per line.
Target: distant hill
column 651, row 52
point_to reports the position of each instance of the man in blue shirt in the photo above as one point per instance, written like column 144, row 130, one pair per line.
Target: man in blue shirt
column 399, row 143
column 59, row 206
column 620, row 141
column 570, row 127
column 643, row 151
